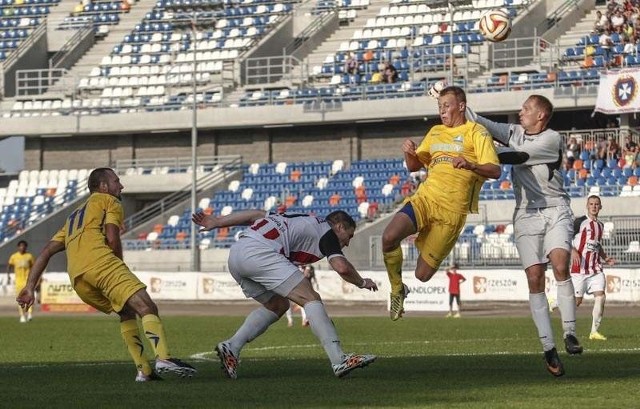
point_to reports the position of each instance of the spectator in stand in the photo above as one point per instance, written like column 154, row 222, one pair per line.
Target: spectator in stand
column 628, row 143
column 613, row 148
column 617, row 20
column 629, row 47
column 334, row 200
column 390, row 73
column 601, row 149
column 573, row 151
column 295, row 175
column 377, row 77
column 627, row 31
column 601, row 22
column 351, row 67
column 629, row 157
column 606, row 44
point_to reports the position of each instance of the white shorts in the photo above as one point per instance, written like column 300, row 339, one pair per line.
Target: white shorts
column 538, row 231
column 261, row 271
column 588, row 284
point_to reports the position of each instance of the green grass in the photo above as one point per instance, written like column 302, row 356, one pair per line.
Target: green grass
column 68, row 362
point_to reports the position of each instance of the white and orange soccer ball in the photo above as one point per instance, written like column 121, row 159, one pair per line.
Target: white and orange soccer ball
column 495, row 25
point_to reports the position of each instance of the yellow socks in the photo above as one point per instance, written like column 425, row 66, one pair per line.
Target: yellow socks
column 131, row 336
column 393, row 262
column 154, row 331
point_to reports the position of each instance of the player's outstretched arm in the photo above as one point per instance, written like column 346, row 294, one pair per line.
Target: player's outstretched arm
column 241, row 218
column 499, row 132
column 26, row 297
column 347, row 271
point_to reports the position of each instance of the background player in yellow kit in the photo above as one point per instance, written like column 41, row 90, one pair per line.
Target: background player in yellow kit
column 21, row 261
column 459, row 156
column 91, row 237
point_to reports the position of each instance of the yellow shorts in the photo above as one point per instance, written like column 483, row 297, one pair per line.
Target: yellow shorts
column 20, row 284
column 107, row 288
column 438, row 229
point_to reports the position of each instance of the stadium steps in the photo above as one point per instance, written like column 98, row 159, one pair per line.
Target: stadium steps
column 104, row 47
column 344, row 33
column 56, row 38
column 177, row 202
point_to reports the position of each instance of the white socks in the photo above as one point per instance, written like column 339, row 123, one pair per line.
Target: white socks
column 324, row 330
column 255, row 324
column 289, row 315
column 598, row 309
column 567, row 306
column 540, row 314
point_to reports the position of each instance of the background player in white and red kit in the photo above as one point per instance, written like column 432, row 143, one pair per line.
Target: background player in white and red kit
column 264, row 261
column 586, row 256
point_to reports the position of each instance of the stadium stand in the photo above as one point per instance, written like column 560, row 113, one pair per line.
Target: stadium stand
column 364, row 189
column 17, row 19
column 35, row 195
column 97, row 13
column 154, row 66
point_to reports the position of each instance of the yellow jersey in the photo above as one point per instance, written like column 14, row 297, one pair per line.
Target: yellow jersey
column 22, row 264
column 456, row 190
column 84, row 235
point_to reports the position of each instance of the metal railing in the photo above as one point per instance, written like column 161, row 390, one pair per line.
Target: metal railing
column 266, row 70
column 79, row 36
column 172, row 165
column 225, row 168
column 483, row 252
column 520, row 52
column 25, row 45
column 36, row 82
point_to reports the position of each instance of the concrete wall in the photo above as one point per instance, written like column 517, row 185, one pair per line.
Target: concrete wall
column 35, row 57
column 400, row 109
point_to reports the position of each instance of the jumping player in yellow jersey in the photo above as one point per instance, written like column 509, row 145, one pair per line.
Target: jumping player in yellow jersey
column 91, row 237
column 459, row 156
column 21, row 261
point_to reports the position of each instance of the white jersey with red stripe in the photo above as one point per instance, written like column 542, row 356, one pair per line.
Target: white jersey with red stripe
column 301, row 238
column 587, row 240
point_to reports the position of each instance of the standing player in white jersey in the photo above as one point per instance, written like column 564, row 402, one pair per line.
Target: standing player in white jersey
column 586, row 267
column 264, row 262
column 542, row 219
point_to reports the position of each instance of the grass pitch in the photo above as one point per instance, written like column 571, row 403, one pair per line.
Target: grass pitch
column 69, row 362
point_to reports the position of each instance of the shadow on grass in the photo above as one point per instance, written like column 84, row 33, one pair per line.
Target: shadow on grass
column 436, row 381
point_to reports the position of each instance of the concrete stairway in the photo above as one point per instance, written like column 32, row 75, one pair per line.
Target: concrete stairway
column 104, row 46
column 344, row 33
column 57, row 38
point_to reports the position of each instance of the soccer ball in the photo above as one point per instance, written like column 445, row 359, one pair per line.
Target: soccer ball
column 495, row 25
column 434, row 91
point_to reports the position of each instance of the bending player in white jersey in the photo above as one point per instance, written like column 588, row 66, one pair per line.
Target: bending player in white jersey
column 263, row 261
column 586, row 267
column 542, row 219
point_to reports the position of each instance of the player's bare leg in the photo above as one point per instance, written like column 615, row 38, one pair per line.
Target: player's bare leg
column 400, row 227
column 559, row 260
